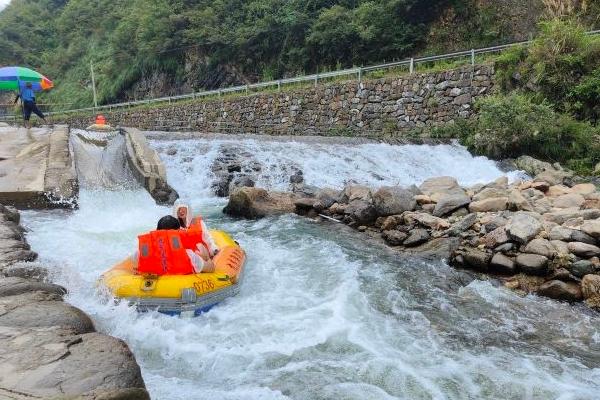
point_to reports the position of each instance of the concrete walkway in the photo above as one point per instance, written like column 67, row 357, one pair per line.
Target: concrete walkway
column 36, row 167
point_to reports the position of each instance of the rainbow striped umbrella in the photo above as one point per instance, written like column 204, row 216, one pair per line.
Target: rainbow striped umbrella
column 14, row 78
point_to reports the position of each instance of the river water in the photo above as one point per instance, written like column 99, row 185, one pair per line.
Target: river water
column 322, row 314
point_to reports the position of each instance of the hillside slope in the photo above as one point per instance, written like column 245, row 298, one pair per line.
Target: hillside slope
column 147, row 48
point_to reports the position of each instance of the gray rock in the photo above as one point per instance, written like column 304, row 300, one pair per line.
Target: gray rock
column 517, row 202
column 27, row 270
column 504, row 248
column 523, row 227
column 391, row 200
column 542, row 247
column 12, row 286
column 569, row 200
column 578, row 236
column 297, row 177
column 42, row 309
column 256, row 203
column 327, row 197
column 489, row 193
column 581, row 268
column 590, row 286
column 416, row 237
column 489, row 204
column 592, row 228
column 532, row 264
column 560, row 246
column 355, row 192
column 361, row 211
column 439, row 184
column 531, row 165
column 462, row 225
column 477, row 259
column 559, row 290
column 53, row 363
column 394, row 237
column 584, row 249
column 449, row 203
column 560, row 233
column 502, row 264
column 495, row 224
column 438, row 248
column 495, row 238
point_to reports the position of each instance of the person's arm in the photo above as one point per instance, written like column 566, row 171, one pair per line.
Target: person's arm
column 209, row 240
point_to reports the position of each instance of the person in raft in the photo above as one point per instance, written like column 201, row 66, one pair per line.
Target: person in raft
column 27, row 96
column 183, row 212
column 170, row 251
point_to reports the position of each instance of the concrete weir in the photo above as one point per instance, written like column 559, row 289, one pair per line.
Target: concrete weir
column 37, row 168
column 147, row 167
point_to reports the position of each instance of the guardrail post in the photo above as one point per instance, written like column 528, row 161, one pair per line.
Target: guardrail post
column 247, row 89
column 359, row 75
column 279, row 85
column 411, row 67
column 472, row 64
column 219, row 93
column 317, row 78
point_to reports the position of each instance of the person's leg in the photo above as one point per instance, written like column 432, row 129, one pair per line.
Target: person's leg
column 38, row 112
column 203, row 252
column 27, row 113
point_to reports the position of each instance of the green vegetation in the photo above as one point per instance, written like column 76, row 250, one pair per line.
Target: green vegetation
column 161, row 47
column 549, row 104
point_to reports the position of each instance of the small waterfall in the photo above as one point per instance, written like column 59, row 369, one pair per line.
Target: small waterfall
column 100, row 160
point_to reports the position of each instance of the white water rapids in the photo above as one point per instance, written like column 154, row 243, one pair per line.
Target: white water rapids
column 322, row 314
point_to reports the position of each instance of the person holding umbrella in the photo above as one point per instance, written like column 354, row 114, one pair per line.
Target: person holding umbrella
column 26, row 81
column 27, row 96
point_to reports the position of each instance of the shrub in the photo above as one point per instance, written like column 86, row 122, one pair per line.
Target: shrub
column 513, row 125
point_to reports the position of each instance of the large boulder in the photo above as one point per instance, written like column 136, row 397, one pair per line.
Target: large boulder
column 582, row 268
column 416, row 237
column 253, row 203
column 54, row 362
column 542, row 247
column 356, row 192
column 11, row 286
column 42, row 309
column 532, row 264
column 327, row 197
column 361, row 211
column 523, row 227
column 583, row 249
column 394, row 237
column 489, row 204
column 490, row 193
column 532, row 166
column 438, row 185
column 390, row 200
column 584, row 188
column 425, row 219
column 495, row 238
column 477, row 259
column 438, row 248
column 459, row 227
column 518, row 202
column 450, row 202
column 559, row 290
column 592, row 228
column 572, row 200
column 502, row 264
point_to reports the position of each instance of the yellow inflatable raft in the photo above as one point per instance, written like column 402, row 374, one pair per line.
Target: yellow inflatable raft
column 177, row 294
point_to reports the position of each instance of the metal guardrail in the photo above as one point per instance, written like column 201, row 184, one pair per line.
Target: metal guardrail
column 359, row 71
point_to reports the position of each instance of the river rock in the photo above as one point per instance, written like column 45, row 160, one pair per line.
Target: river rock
column 584, row 188
column 477, row 259
column 11, row 286
column 362, row 212
column 502, row 264
column 57, row 363
column 559, row 290
column 495, row 238
column 523, row 227
column 327, row 197
column 590, row 286
column 450, row 202
column 438, row 185
column 42, row 309
column 560, row 233
column 416, row 237
column 571, row 200
column 356, row 192
column 584, row 249
column 517, row 202
column 553, row 177
column 438, row 248
column 489, row 204
column 390, row 200
column 27, row 270
column 578, row 236
column 493, row 222
column 581, row 268
column 256, row 203
column 592, row 228
column 489, row 193
column 394, row 237
column 558, row 190
column 532, row 264
column 532, row 166
column 462, row 225
column 425, row 220
column 542, row 247
column 422, row 199
column 560, row 246
column 391, row 222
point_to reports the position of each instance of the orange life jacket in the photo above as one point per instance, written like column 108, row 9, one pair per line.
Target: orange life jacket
column 162, row 253
column 193, row 235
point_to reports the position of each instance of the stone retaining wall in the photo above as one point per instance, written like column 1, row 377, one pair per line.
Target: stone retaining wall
column 383, row 107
